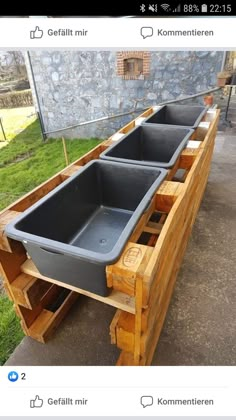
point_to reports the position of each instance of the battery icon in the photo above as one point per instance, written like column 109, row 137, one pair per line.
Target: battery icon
column 204, row 8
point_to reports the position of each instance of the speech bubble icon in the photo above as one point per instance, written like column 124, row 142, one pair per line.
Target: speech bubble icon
column 146, row 31
column 146, row 400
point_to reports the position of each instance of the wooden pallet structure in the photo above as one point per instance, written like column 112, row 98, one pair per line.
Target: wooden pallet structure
column 142, row 280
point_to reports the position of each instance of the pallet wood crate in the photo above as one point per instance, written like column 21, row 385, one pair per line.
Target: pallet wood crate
column 142, row 280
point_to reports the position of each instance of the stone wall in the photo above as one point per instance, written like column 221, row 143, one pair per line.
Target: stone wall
column 77, row 86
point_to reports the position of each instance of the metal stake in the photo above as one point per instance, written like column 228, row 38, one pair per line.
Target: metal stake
column 4, row 135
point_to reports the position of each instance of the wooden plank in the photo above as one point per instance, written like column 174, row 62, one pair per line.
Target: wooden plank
column 187, row 158
column 123, row 329
column 147, row 113
column 24, row 328
column 125, row 359
column 139, row 121
column 125, row 324
column 172, row 171
column 29, row 316
column 10, row 264
column 116, row 299
column 8, row 290
column 125, row 341
column 141, row 118
column 106, row 144
column 154, row 337
column 123, row 274
column 153, row 227
column 18, row 286
column 125, row 332
column 65, row 151
column 167, row 195
column 113, row 325
column 28, row 290
column 157, row 299
column 142, row 222
column 128, row 127
column 47, row 322
column 161, row 281
column 36, row 291
column 71, row 170
column 166, row 244
column 200, row 188
column 92, row 154
column 201, row 131
column 39, row 325
column 138, row 319
column 211, row 115
column 6, row 244
column 168, row 251
column 170, row 225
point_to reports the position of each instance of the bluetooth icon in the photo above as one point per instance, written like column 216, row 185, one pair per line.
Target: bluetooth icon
column 142, row 8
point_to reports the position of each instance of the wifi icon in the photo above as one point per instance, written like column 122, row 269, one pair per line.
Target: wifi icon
column 165, row 7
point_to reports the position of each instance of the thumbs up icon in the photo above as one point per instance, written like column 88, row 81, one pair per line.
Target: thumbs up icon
column 37, row 33
column 36, row 403
column 13, row 376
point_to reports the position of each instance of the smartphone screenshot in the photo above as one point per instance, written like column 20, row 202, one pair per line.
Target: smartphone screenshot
column 117, row 211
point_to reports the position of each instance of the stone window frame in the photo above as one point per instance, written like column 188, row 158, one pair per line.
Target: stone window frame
column 122, row 58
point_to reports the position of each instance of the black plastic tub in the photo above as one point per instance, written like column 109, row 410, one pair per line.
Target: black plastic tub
column 83, row 225
column 150, row 145
column 184, row 115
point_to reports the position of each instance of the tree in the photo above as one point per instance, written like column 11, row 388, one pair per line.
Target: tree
column 17, row 61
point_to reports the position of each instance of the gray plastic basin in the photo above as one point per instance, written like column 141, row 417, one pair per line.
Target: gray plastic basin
column 83, row 225
column 150, row 145
column 184, row 115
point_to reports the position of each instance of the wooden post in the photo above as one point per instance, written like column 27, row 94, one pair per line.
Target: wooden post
column 138, row 320
column 65, row 151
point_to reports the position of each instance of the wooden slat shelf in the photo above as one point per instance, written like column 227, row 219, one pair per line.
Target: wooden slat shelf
column 142, row 280
column 117, row 299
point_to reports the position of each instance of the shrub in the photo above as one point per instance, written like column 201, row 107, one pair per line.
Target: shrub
column 16, row 99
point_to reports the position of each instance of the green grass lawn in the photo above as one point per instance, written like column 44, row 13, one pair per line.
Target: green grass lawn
column 26, row 162
column 15, row 120
column 11, row 333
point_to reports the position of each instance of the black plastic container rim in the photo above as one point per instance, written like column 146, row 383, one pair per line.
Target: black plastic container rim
column 204, row 111
column 151, row 164
column 61, row 248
